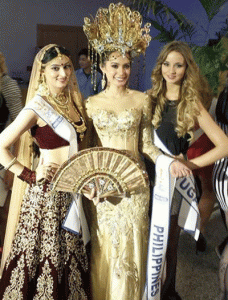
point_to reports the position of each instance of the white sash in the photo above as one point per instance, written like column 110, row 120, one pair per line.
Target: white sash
column 159, row 228
column 76, row 220
column 160, row 219
column 189, row 213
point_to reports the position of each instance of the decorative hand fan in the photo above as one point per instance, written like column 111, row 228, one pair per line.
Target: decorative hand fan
column 112, row 172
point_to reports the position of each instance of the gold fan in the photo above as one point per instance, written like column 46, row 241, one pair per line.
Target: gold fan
column 112, row 172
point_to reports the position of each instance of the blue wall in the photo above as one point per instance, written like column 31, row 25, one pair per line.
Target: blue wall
column 18, row 20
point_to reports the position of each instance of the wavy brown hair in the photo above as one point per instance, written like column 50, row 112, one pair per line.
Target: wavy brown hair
column 194, row 88
column 3, row 67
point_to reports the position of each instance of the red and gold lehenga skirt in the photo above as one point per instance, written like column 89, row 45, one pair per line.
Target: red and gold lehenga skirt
column 46, row 261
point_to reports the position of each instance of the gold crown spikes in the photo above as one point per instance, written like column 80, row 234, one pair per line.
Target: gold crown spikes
column 117, row 29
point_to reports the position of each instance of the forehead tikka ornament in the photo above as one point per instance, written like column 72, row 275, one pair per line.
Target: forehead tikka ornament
column 117, row 29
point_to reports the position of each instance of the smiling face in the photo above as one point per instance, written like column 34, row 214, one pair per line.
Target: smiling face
column 57, row 73
column 173, row 68
column 117, row 69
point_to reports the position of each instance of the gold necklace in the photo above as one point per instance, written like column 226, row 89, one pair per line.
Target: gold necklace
column 63, row 110
column 61, row 99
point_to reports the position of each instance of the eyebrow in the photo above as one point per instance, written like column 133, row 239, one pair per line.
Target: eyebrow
column 114, row 62
column 57, row 65
column 181, row 63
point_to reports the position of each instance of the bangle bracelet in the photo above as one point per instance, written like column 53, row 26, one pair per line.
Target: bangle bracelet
column 11, row 163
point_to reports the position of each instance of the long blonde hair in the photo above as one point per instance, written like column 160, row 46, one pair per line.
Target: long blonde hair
column 194, row 88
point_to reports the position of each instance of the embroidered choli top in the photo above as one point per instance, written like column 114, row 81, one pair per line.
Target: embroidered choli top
column 131, row 129
column 46, row 138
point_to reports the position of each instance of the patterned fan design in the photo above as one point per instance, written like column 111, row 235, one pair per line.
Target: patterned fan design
column 112, row 172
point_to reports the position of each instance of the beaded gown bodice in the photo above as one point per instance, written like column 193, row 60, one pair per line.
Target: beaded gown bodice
column 129, row 129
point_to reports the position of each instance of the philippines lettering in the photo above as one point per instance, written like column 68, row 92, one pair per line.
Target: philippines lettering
column 157, row 250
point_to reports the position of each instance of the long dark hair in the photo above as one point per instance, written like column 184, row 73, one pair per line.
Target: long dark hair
column 53, row 53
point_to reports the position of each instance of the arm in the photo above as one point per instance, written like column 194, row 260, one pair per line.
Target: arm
column 24, row 121
column 178, row 168
column 217, row 137
column 146, row 145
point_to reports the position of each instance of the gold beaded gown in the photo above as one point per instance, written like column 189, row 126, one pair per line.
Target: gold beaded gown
column 119, row 226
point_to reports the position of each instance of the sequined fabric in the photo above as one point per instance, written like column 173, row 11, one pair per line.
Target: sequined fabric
column 45, row 262
column 119, row 237
column 129, row 130
column 119, row 226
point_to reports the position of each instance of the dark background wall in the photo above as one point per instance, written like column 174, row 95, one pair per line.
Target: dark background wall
column 19, row 19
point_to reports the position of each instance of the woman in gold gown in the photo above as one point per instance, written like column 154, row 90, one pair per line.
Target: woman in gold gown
column 122, row 120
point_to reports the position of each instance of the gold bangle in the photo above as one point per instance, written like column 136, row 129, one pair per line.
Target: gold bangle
column 11, row 163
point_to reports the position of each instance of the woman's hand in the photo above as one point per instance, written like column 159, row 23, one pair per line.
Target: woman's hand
column 46, row 172
column 93, row 195
column 179, row 169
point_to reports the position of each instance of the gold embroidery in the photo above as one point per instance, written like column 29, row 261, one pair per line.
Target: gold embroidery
column 146, row 145
column 75, row 282
column 108, row 123
column 119, row 234
column 119, row 227
column 130, row 127
column 39, row 239
column 45, row 284
column 14, row 290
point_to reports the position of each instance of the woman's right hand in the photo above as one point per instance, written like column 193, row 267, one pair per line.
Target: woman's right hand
column 93, row 195
column 46, row 172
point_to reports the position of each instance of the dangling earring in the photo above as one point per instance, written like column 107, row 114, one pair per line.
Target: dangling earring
column 103, row 81
column 43, row 87
column 43, row 79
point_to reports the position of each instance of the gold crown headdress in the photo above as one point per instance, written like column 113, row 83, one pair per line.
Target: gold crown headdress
column 117, row 29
